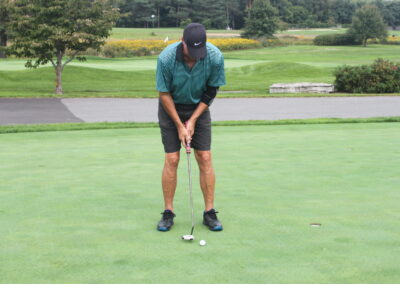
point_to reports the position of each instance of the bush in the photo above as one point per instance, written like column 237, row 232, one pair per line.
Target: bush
column 381, row 77
column 131, row 48
column 335, row 39
column 295, row 40
column 185, row 22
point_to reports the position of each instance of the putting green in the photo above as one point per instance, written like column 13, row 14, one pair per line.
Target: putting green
column 81, row 207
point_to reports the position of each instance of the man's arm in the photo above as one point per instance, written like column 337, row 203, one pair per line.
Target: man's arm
column 206, row 100
column 169, row 106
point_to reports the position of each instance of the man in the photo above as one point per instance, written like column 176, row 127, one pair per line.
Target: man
column 189, row 74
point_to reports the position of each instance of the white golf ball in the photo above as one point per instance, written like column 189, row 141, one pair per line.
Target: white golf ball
column 202, row 242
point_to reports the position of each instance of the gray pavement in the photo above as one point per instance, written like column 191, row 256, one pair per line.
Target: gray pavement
column 53, row 110
column 34, row 111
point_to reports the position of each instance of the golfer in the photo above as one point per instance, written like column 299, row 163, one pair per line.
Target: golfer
column 189, row 74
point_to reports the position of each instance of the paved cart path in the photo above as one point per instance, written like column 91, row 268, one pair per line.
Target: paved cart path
column 54, row 110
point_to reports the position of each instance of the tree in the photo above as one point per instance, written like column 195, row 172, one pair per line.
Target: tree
column 262, row 20
column 299, row 15
column 211, row 13
column 178, row 10
column 4, row 19
column 46, row 30
column 284, row 8
column 392, row 15
column 342, row 11
column 368, row 23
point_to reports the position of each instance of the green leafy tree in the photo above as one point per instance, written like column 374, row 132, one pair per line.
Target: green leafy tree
column 211, row 13
column 284, row 8
column 4, row 19
column 392, row 14
column 47, row 30
column 262, row 20
column 137, row 13
column 299, row 16
column 178, row 10
column 368, row 23
column 342, row 11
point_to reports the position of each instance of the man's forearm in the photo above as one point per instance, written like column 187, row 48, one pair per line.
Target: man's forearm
column 169, row 106
column 198, row 111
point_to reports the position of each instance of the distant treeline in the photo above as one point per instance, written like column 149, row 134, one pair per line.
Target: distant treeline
column 222, row 14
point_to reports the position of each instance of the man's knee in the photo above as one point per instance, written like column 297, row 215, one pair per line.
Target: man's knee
column 203, row 158
column 172, row 160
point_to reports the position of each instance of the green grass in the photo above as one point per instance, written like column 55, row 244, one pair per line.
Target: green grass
column 161, row 33
column 312, row 32
column 323, row 31
column 81, row 207
column 250, row 70
column 5, row 129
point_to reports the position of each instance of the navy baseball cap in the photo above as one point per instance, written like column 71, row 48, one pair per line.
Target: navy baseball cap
column 195, row 38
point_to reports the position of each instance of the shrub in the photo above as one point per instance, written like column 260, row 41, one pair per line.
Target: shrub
column 335, row 39
column 185, row 22
column 381, row 77
column 296, row 40
column 130, row 48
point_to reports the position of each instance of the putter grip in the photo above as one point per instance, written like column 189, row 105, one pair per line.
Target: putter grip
column 188, row 148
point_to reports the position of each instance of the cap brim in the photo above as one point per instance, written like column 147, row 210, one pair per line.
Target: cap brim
column 198, row 53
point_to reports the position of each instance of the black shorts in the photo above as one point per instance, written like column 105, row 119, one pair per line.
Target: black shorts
column 201, row 139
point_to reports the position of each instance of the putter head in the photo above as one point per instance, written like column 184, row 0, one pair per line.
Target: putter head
column 188, row 237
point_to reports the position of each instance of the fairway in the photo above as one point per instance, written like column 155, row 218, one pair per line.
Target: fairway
column 252, row 71
column 162, row 33
column 82, row 206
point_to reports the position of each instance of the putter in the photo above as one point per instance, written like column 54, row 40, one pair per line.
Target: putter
column 189, row 237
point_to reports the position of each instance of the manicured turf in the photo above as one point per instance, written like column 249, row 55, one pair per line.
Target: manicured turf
column 312, row 32
column 81, row 207
column 250, row 70
column 162, row 33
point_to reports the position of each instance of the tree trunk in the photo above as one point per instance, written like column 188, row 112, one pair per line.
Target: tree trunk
column 158, row 17
column 59, row 69
column 365, row 42
column 3, row 43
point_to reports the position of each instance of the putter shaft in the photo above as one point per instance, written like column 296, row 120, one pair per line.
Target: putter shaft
column 190, row 185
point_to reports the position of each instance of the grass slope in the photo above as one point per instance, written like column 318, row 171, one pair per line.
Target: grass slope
column 84, row 82
column 251, row 70
column 81, row 207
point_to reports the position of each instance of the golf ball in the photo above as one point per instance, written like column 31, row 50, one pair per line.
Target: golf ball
column 202, row 242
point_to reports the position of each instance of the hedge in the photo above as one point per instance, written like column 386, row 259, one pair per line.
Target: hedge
column 382, row 76
column 335, row 39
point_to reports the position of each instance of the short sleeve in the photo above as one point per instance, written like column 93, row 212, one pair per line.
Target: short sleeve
column 217, row 76
column 163, row 78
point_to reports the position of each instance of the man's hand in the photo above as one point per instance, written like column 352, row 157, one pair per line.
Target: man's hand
column 184, row 136
column 190, row 127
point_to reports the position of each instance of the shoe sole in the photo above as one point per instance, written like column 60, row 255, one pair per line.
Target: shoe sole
column 214, row 229
column 164, row 229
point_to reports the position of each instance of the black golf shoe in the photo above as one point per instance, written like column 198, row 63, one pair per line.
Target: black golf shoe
column 166, row 221
column 211, row 221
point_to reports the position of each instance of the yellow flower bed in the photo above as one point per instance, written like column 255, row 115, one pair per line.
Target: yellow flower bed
column 393, row 39
column 150, row 44
column 234, row 43
column 150, row 47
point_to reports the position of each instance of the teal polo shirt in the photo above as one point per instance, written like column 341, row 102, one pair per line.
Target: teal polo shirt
column 187, row 85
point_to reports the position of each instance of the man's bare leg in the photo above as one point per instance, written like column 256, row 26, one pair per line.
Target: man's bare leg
column 207, row 177
column 169, row 179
